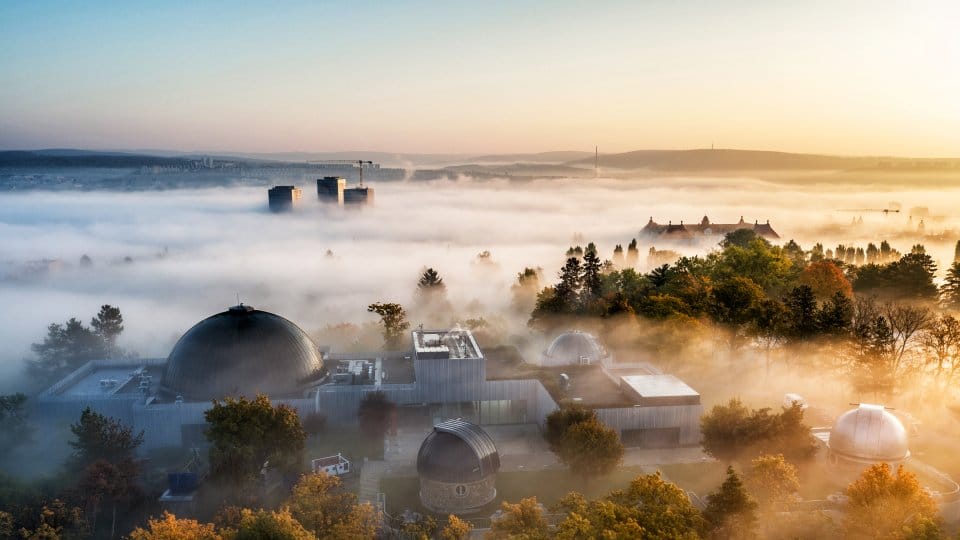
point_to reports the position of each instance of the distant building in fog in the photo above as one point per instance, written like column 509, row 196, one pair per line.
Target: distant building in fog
column 358, row 195
column 705, row 229
column 283, row 198
column 330, row 189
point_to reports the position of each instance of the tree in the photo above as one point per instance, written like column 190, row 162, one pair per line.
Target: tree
column 739, row 238
column 65, row 348
column 883, row 338
column 825, row 279
column 525, row 290
column 618, row 259
column 430, row 281
column 107, row 483
column 108, row 324
column 596, row 519
column 771, row 479
column 567, row 292
column 420, row 528
column 661, row 508
column 169, row 527
column 802, row 306
column 732, row 431
column 246, row 434
column 523, row 520
column 394, row 321
column 950, row 290
column 730, row 511
column 940, row 343
column 14, row 428
column 101, row 438
column 270, row 525
column 455, row 529
column 733, row 304
column 884, row 505
column 314, row 423
column 591, row 275
column 52, row 521
column 835, row 315
column 320, row 504
column 633, row 254
column 583, row 443
column 376, row 413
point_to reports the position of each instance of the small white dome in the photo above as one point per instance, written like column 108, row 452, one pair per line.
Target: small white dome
column 572, row 347
column 869, row 434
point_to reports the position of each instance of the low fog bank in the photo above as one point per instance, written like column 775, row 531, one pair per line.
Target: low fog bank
column 169, row 259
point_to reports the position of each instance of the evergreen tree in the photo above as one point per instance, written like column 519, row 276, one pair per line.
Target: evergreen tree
column 591, row 275
column 108, row 324
column 950, row 290
column 873, row 254
column 835, row 315
column 430, row 282
column 101, row 438
column 567, row 292
column 730, row 511
column 633, row 254
column 802, row 305
column 618, row 258
column 956, row 252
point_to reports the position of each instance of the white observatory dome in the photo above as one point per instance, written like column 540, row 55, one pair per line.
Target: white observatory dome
column 868, row 434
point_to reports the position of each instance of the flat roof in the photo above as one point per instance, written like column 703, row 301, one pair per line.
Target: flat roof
column 105, row 381
column 654, row 386
column 457, row 342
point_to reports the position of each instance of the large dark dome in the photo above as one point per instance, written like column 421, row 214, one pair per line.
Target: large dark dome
column 457, row 451
column 241, row 351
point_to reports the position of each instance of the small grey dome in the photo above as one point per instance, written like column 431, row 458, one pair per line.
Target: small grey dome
column 570, row 347
column 868, row 434
column 241, row 351
column 457, row 451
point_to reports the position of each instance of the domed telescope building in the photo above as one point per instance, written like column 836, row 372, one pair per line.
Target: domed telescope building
column 457, row 464
column 573, row 348
column 865, row 436
column 242, row 351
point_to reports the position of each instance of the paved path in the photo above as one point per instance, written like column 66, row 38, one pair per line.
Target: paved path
column 370, row 474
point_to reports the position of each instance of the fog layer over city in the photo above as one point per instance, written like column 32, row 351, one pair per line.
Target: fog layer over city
column 192, row 253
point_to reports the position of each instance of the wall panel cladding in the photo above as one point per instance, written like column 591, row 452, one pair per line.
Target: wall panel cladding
column 445, row 497
column 685, row 417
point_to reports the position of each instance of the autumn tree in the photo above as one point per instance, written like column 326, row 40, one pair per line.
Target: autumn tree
column 245, row 434
column 170, row 527
column 393, row 318
column 270, row 525
column 772, row 479
column 882, row 504
column 324, row 508
column 661, row 508
column 825, row 279
column 731, row 512
column 523, row 520
column 455, row 529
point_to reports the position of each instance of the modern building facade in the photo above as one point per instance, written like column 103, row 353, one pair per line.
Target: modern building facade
column 245, row 351
column 283, row 198
column 330, row 189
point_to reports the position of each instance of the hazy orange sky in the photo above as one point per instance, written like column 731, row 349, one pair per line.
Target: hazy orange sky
column 852, row 77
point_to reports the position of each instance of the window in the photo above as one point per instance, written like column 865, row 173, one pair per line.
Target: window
column 461, row 490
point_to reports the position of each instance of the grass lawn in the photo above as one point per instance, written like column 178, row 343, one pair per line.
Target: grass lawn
column 550, row 485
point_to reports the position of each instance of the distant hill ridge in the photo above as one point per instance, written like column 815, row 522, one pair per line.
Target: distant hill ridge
column 727, row 159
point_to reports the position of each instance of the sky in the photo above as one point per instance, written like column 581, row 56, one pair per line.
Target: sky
column 850, row 77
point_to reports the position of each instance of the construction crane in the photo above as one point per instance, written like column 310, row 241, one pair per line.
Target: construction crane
column 884, row 210
column 358, row 162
